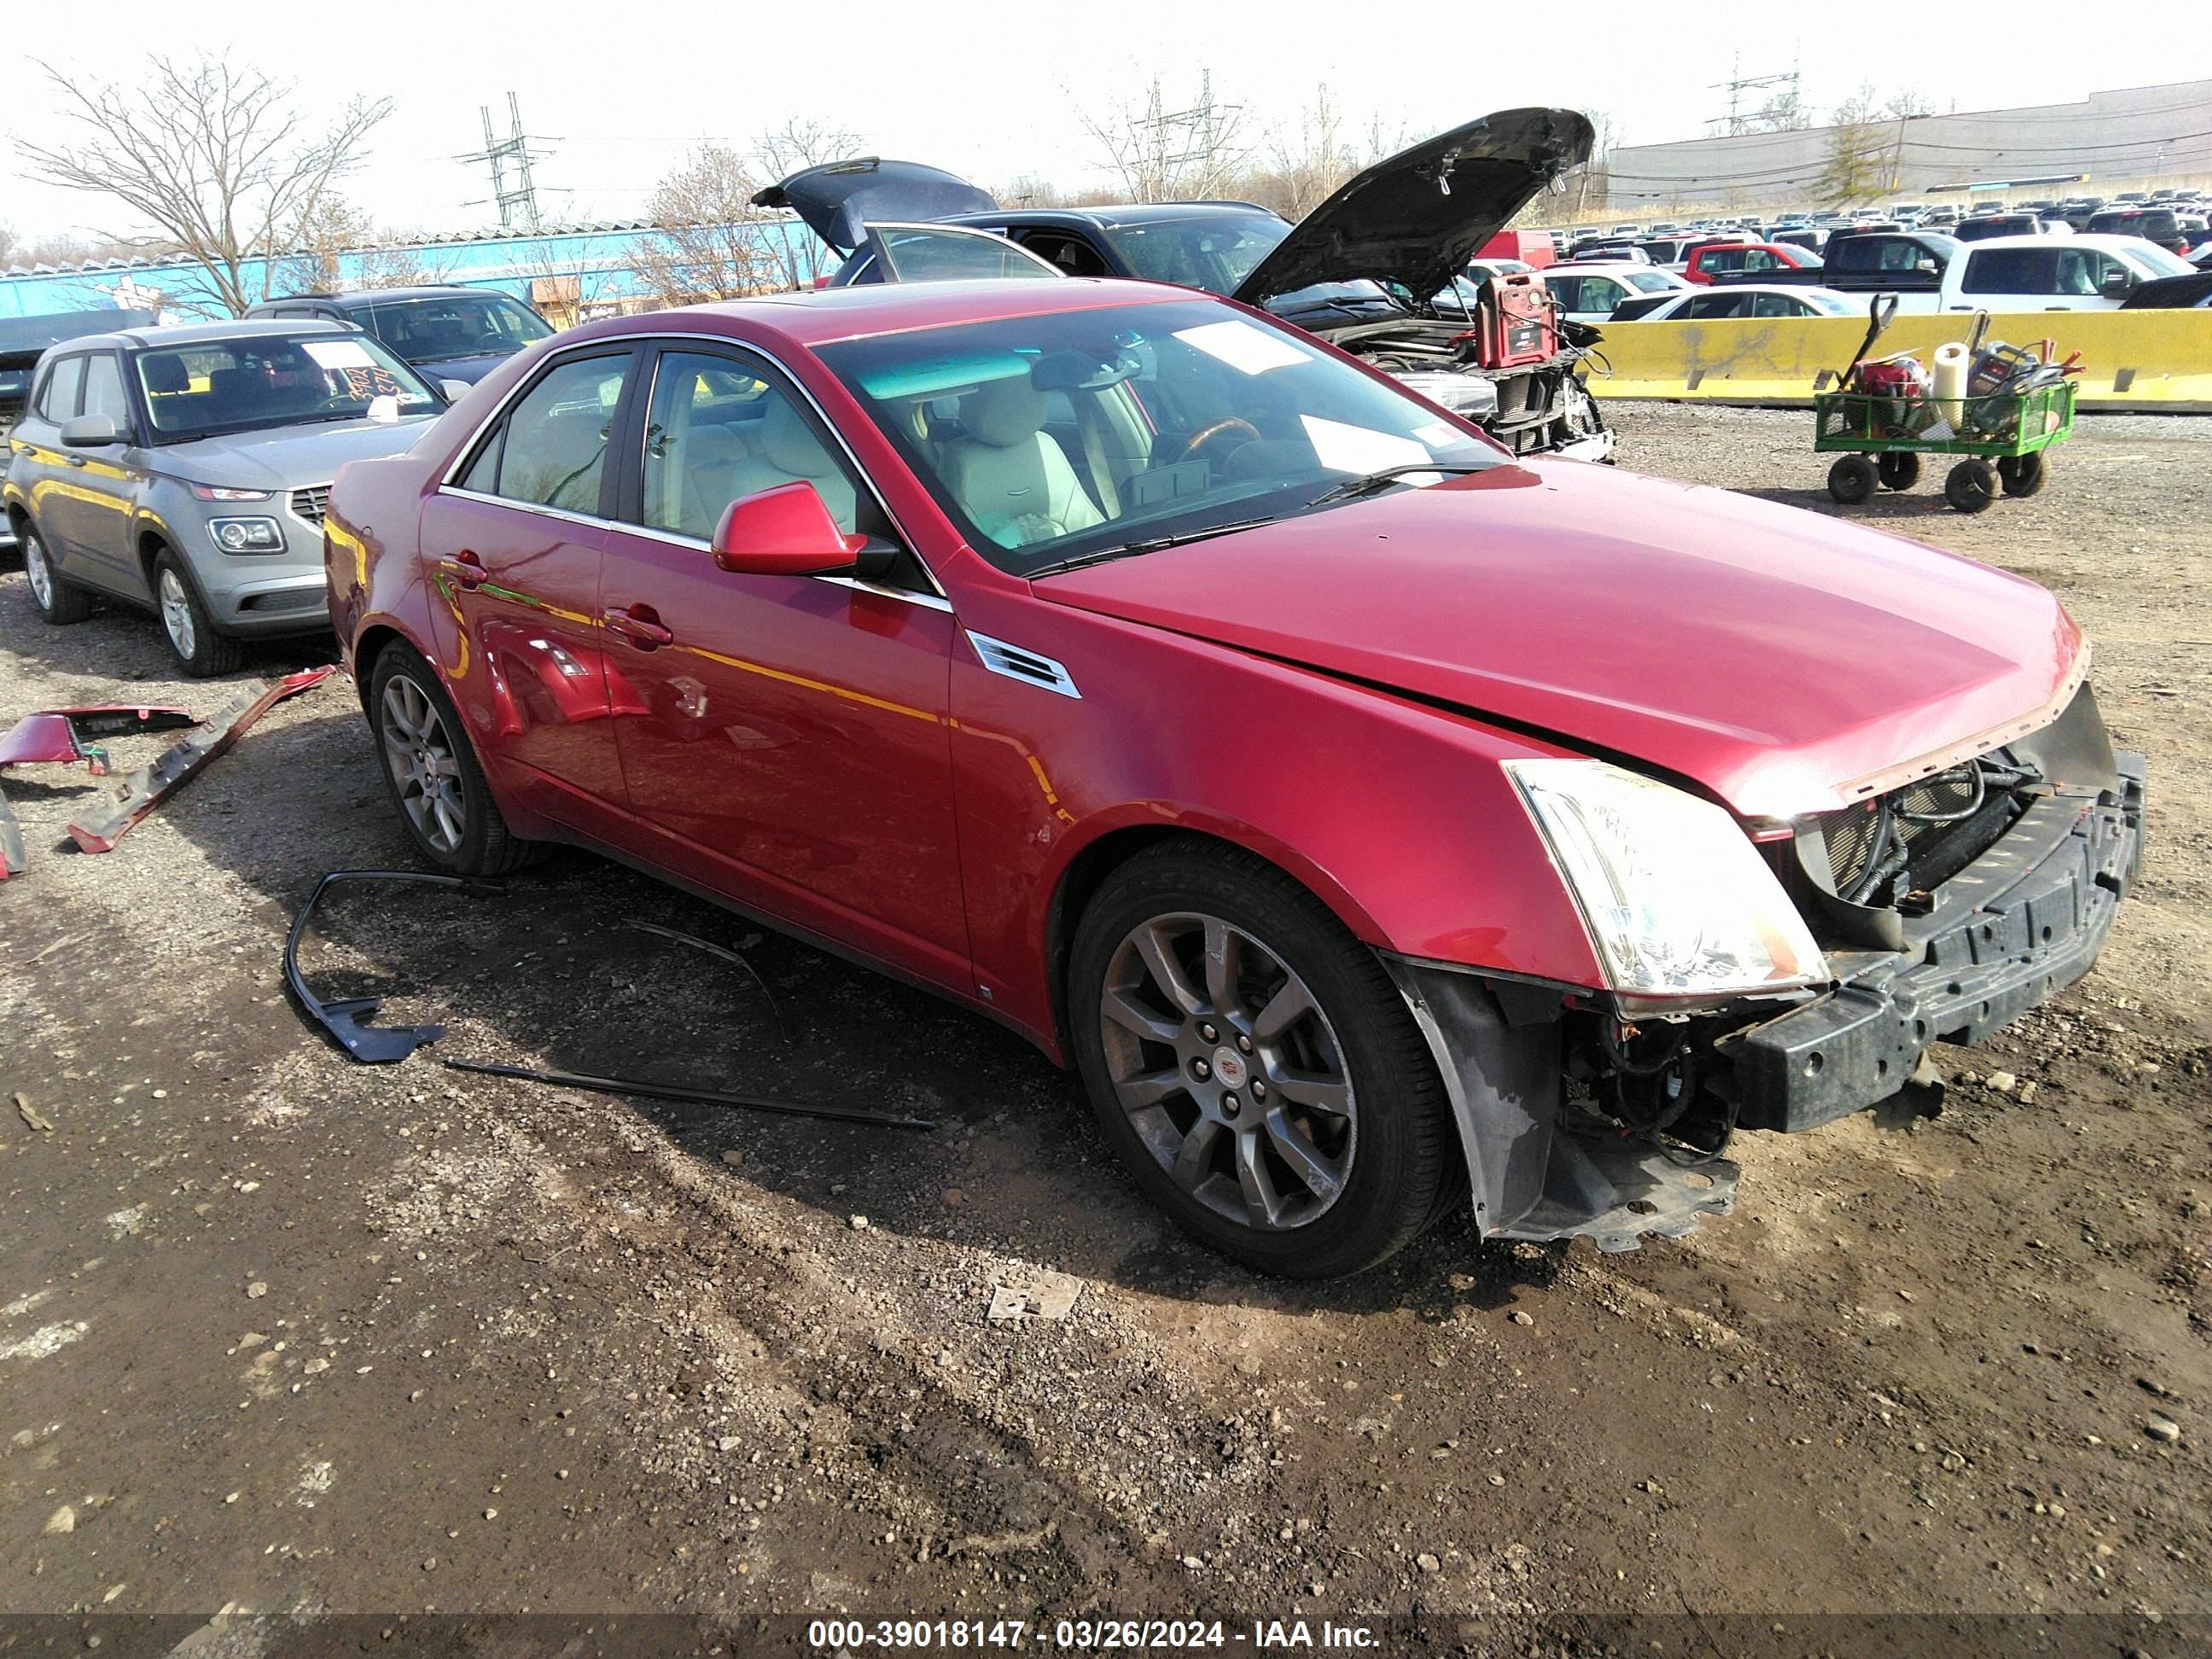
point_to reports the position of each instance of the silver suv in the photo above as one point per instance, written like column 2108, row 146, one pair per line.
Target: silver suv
column 184, row 470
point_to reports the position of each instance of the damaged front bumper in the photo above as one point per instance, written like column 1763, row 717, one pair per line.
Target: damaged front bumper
column 2014, row 928
column 2016, row 925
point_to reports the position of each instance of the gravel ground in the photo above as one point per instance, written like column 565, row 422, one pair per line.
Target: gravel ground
column 279, row 1332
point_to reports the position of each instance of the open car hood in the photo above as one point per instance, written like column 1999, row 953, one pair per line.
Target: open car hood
column 1787, row 662
column 1416, row 219
column 838, row 200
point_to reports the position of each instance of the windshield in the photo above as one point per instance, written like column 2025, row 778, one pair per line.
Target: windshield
column 1834, row 304
column 1213, row 250
column 274, row 379
column 1652, row 282
column 450, row 327
column 2159, row 261
column 1077, row 433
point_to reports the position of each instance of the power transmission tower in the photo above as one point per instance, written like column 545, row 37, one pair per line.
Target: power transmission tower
column 518, row 202
column 1735, row 121
column 1204, row 130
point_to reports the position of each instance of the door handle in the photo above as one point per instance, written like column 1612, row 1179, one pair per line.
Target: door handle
column 75, row 461
column 640, row 625
column 465, row 568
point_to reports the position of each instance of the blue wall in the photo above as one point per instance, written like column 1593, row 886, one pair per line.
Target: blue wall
column 603, row 260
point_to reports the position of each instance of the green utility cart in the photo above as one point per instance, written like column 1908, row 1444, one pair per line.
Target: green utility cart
column 2002, row 439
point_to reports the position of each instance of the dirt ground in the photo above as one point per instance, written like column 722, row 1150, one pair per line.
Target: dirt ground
column 279, row 1332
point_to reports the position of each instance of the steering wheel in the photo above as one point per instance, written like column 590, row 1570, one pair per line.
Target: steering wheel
column 1207, row 435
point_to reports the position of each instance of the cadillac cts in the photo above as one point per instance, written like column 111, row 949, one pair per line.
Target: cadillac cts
column 1372, row 819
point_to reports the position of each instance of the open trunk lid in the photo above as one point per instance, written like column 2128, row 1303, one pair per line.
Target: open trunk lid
column 839, row 200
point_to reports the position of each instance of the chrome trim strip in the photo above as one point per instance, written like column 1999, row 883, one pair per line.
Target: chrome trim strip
column 537, row 508
column 998, row 657
column 631, row 342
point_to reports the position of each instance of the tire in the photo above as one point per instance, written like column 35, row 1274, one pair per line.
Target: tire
column 60, row 601
column 199, row 650
column 1972, row 486
column 1310, row 1128
column 2023, row 475
column 1900, row 470
column 431, row 771
column 1851, row 480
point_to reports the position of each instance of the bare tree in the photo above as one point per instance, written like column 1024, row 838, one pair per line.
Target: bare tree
column 338, row 247
column 712, row 243
column 801, row 143
column 1304, row 165
column 1162, row 155
column 209, row 153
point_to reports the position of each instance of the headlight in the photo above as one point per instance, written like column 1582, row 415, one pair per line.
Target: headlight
column 247, row 535
column 224, row 493
column 1677, row 901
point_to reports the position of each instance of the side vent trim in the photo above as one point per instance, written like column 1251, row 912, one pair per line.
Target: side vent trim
column 1027, row 666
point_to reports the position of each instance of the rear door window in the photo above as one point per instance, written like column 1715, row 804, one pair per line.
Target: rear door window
column 551, row 449
column 57, row 402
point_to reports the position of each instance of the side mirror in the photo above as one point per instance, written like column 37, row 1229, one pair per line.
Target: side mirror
column 784, row 532
column 90, row 431
column 2118, row 283
column 455, row 391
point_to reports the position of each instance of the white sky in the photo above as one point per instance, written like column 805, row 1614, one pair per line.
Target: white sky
column 990, row 88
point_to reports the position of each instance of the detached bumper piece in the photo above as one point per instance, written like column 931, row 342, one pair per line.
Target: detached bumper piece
column 2011, row 929
column 123, row 806
column 61, row 737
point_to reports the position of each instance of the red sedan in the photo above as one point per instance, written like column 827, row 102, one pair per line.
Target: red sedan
column 1753, row 260
column 1367, row 816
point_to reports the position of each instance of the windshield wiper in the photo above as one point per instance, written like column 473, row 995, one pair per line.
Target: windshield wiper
column 1124, row 550
column 1369, row 483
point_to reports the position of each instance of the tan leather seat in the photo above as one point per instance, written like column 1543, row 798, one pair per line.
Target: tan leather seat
column 780, row 448
column 1008, row 473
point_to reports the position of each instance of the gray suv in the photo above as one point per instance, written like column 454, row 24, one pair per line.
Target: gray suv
column 185, row 469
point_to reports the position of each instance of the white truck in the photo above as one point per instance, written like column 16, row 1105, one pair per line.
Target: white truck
column 1931, row 272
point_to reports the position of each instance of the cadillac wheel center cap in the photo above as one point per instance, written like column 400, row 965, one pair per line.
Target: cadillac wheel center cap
column 1229, row 1068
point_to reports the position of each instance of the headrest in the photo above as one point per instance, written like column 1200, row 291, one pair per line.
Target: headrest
column 790, row 444
column 1004, row 413
column 166, row 373
column 715, row 445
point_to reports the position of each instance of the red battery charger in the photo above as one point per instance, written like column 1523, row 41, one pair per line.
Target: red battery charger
column 1516, row 322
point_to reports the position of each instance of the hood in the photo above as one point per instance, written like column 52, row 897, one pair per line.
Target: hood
column 1784, row 660
column 287, row 457
column 471, row 370
column 1418, row 218
column 838, row 199
column 2169, row 293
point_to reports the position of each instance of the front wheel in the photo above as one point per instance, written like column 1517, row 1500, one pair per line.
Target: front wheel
column 432, row 772
column 1253, row 1066
column 200, row 650
column 1851, row 480
column 60, row 601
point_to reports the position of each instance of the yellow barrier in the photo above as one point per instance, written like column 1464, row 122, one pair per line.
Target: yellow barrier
column 2155, row 360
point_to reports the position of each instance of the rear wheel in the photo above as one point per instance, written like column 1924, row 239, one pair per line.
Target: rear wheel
column 60, row 601
column 1900, row 470
column 1253, row 1066
column 432, row 772
column 1972, row 486
column 201, row 651
column 1851, row 480
column 2023, row 475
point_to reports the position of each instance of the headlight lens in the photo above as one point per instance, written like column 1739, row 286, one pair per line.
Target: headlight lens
column 224, row 493
column 247, row 535
column 1677, row 901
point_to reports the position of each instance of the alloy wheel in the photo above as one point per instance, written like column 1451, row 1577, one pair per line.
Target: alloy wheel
column 177, row 614
column 35, row 566
column 425, row 769
column 1229, row 1070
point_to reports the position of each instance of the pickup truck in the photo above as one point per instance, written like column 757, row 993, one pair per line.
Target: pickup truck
column 1930, row 272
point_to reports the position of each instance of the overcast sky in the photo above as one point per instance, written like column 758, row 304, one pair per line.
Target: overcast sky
column 617, row 92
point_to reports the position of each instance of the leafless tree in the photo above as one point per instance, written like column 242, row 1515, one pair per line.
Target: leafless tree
column 209, row 153
column 1305, row 165
column 1857, row 165
column 712, row 243
column 801, row 143
column 1162, row 155
column 338, row 247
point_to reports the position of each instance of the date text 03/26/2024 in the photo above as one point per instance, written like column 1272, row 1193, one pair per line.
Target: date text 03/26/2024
column 1086, row 1635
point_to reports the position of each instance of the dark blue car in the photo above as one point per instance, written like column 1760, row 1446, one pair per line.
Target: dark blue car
column 447, row 332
